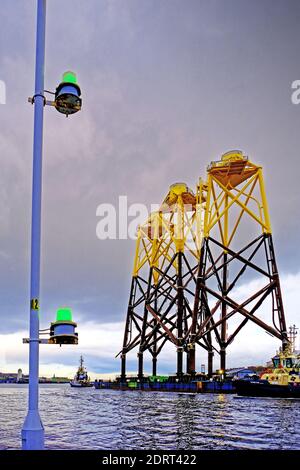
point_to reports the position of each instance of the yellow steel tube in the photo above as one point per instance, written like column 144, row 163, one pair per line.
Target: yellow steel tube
column 241, row 204
column 136, row 256
column 264, row 201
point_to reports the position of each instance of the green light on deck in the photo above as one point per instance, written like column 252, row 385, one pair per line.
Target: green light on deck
column 69, row 77
column 64, row 314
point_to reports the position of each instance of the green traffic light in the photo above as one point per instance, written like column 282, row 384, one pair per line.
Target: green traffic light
column 64, row 314
column 69, row 77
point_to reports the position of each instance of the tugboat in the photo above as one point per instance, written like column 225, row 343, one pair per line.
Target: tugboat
column 282, row 380
column 81, row 378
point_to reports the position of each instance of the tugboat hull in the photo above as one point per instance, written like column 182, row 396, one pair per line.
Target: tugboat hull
column 80, row 385
column 262, row 388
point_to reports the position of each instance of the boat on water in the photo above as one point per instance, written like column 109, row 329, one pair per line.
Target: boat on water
column 282, row 380
column 263, row 388
column 81, row 378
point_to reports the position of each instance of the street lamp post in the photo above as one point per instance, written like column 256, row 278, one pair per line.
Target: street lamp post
column 33, row 430
column 67, row 101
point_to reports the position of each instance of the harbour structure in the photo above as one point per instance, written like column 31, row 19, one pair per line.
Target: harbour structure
column 191, row 258
column 237, row 247
column 13, row 377
column 163, row 280
column 20, row 378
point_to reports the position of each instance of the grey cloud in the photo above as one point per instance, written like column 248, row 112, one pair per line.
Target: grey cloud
column 166, row 89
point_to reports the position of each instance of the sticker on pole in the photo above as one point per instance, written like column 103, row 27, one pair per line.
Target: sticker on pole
column 34, row 304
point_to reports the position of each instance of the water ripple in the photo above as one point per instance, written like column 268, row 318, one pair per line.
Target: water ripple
column 104, row 419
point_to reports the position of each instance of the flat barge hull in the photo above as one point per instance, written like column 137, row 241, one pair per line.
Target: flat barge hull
column 192, row 387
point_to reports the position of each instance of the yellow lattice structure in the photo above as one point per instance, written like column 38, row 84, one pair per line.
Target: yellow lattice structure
column 190, row 256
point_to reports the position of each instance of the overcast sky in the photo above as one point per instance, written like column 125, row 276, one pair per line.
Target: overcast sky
column 167, row 86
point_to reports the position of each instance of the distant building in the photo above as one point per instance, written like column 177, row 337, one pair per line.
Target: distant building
column 20, row 375
column 9, row 377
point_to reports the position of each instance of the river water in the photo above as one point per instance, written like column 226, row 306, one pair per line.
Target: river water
column 110, row 420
